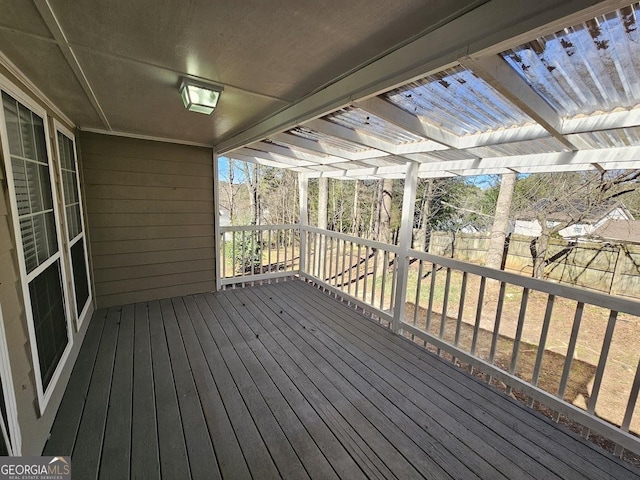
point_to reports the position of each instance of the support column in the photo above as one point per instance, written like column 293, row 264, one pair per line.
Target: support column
column 303, row 185
column 404, row 243
column 216, row 220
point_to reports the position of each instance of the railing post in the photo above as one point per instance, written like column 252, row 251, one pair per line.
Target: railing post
column 303, row 185
column 216, row 221
column 404, row 243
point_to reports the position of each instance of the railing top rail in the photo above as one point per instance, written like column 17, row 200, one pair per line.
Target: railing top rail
column 573, row 293
column 348, row 238
column 253, row 228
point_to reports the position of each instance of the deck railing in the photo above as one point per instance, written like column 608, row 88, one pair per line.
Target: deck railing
column 363, row 271
column 255, row 253
column 575, row 351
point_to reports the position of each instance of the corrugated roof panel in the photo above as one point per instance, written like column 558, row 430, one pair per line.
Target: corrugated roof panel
column 621, row 137
column 328, row 140
column 590, row 67
column 527, row 147
column 357, row 119
column 457, row 100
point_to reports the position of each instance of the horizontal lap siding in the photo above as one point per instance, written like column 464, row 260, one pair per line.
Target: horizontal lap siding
column 150, row 215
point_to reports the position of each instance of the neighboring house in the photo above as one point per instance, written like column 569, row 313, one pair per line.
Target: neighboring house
column 528, row 225
column 619, row 231
column 225, row 221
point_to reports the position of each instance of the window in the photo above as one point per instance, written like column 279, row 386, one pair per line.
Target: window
column 75, row 226
column 33, row 201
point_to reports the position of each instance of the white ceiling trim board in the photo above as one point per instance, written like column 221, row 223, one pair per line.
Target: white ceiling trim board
column 145, row 137
column 52, row 23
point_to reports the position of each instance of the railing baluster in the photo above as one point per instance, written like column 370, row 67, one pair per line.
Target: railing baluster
column 233, row 253
column 575, row 330
column 286, row 249
column 350, row 265
column 416, row 305
column 524, row 301
column 244, row 260
column 476, row 326
column 337, row 274
column 366, row 274
column 432, row 291
column 631, row 404
column 269, row 253
column 543, row 339
column 318, row 254
column 374, row 252
column 385, row 263
column 463, row 294
column 223, row 260
column 344, row 263
column 358, row 270
column 445, row 301
column 602, row 363
column 333, row 267
column 496, row 323
column 394, row 283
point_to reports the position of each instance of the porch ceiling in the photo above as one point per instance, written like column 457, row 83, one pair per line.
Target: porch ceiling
column 349, row 89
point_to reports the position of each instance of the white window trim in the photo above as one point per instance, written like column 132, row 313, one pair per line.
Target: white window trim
column 15, row 446
column 43, row 395
column 82, row 236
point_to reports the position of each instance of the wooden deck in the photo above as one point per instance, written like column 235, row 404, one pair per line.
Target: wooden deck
column 283, row 381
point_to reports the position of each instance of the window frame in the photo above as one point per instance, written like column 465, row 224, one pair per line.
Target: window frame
column 13, row 438
column 44, row 395
column 82, row 236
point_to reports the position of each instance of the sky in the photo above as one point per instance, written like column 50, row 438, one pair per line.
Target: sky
column 482, row 181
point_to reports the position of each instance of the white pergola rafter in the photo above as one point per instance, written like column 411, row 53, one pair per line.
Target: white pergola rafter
column 497, row 73
column 314, row 146
column 405, row 120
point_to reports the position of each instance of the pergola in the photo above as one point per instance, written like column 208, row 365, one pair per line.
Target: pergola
column 561, row 98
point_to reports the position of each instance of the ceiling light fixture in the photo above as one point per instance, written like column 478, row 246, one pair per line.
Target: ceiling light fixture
column 200, row 97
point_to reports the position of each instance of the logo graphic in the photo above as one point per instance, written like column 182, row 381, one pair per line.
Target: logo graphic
column 35, row 468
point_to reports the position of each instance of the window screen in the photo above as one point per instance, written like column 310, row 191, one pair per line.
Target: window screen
column 49, row 320
column 79, row 275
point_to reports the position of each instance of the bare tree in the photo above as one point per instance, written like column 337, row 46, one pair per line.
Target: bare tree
column 230, row 190
column 355, row 220
column 500, row 226
column 251, row 178
column 383, row 217
column 557, row 201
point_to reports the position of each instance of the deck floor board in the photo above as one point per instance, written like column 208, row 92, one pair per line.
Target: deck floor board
column 284, row 381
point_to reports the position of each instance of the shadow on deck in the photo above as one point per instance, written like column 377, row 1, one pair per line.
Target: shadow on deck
column 283, row 381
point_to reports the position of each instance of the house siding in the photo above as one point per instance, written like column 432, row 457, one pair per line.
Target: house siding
column 150, row 216
column 34, row 425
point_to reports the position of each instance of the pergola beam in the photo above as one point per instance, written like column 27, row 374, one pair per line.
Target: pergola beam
column 316, row 146
column 269, row 163
column 405, row 120
column 355, row 136
column 295, row 154
column 607, row 159
column 497, row 73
